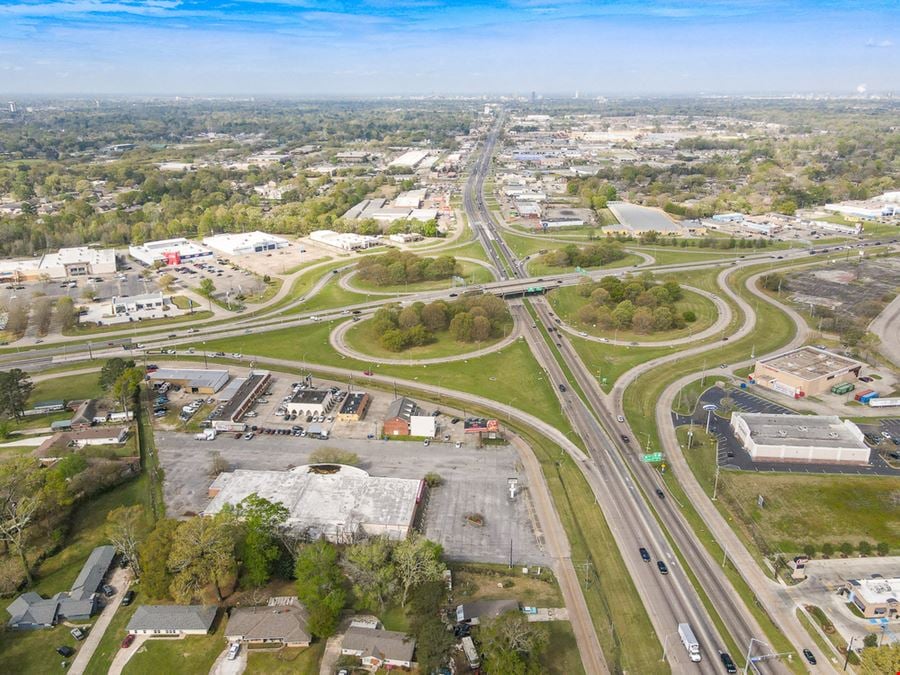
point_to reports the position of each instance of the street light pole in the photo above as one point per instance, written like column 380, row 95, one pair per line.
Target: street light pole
column 849, row 649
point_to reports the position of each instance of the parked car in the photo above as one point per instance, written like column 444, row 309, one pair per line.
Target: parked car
column 78, row 634
column 128, row 641
column 65, row 651
column 128, row 598
column 108, row 590
column 234, row 650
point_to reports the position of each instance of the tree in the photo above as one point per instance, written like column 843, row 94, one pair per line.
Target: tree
column 43, row 315
column 870, row 640
column 827, row 550
column 418, row 561
column 864, row 548
column 125, row 388
column 15, row 388
column 261, row 520
column 642, row 321
column 153, row 555
column 218, row 464
column 512, row 644
column 65, row 314
column 883, row 548
column 111, row 371
column 809, row 550
column 434, row 644
column 408, row 318
column 846, row 548
column 481, row 328
column 319, row 586
column 123, row 527
column 689, row 316
column 434, row 316
column 21, row 500
column 207, row 287
column 461, row 327
column 662, row 318
column 880, row 660
column 165, row 282
column 370, row 567
column 623, row 314
column 202, row 554
column 333, row 456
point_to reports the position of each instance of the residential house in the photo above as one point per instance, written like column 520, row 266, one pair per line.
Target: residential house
column 378, row 648
column 282, row 621
column 172, row 620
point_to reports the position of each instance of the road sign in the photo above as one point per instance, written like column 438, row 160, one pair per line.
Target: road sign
column 652, row 457
column 581, row 270
column 710, row 406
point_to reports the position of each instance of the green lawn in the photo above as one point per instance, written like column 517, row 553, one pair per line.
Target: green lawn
column 57, row 572
column 304, row 265
column 193, row 654
column 330, row 297
column 611, row 362
column 561, row 656
column 469, row 249
column 111, row 641
column 302, row 284
column 32, row 652
column 566, row 302
column 295, row 661
column 68, row 388
column 363, row 339
column 523, row 246
column 473, row 273
column 537, row 268
column 198, row 315
column 673, row 255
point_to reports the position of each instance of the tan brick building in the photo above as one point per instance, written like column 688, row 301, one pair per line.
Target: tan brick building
column 807, row 371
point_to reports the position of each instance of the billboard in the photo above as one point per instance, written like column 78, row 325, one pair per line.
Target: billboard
column 477, row 425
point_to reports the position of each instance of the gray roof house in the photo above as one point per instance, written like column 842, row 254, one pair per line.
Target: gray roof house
column 377, row 648
column 282, row 621
column 172, row 620
column 30, row 610
column 474, row 612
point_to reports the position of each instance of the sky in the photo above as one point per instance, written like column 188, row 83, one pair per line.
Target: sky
column 311, row 48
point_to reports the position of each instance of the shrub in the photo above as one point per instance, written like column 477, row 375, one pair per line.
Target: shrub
column 809, row 550
column 433, row 480
column 828, row 550
column 864, row 548
column 883, row 548
column 846, row 548
column 334, row 456
column 689, row 316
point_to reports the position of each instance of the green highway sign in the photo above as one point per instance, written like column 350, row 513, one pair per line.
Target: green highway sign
column 581, row 270
column 652, row 457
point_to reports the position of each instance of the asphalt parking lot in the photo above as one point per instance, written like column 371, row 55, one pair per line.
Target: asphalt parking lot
column 731, row 453
column 475, row 481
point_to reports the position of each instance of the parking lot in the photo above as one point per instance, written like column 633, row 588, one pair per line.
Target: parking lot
column 475, row 481
column 731, row 453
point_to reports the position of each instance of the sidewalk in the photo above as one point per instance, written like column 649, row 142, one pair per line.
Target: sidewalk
column 120, row 580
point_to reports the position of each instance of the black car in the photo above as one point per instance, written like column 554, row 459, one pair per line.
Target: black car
column 645, row 556
column 727, row 662
column 562, row 388
column 128, row 598
column 662, row 567
column 65, row 651
column 455, row 420
column 809, row 656
column 625, row 438
column 660, row 493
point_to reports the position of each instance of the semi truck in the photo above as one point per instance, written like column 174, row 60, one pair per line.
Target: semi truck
column 689, row 641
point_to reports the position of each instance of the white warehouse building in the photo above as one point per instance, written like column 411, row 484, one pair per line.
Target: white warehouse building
column 245, row 243
column 169, row 251
column 810, row 439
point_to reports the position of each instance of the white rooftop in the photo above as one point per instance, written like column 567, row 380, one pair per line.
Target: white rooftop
column 80, row 254
column 877, row 591
column 802, row 430
column 327, row 503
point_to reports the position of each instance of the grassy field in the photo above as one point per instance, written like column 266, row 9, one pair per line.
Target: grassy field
column 330, row 297
column 193, row 654
column 566, row 302
column 611, row 362
column 509, row 375
column 111, row 641
column 363, row 339
column 33, row 651
column 468, row 249
column 537, row 268
column 298, row 661
column 302, row 284
column 304, row 265
column 69, row 388
column 473, row 273
column 483, row 582
column 57, row 572
column 672, row 255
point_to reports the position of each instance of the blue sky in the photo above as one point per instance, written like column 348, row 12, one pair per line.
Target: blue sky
column 383, row 47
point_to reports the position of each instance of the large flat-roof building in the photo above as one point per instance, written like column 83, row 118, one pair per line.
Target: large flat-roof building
column 876, row 598
column 310, row 402
column 169, row 251
column 126, row 304
column 341, row 503
column 635, row 220
column 346, row 241
column 195, row 380
column 811, row 439
column 78, row 261
column 227, row 415
column 245, row 243
column 807, row 371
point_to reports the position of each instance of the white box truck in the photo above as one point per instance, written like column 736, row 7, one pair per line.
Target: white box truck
column 689, row 641
column 206, row 435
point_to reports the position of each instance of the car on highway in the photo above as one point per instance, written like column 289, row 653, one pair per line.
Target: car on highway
column 660, row 493
column 645, row 555
column 809, row 656
column 562, row 388
column 727, row 662
column 620, row 419
column 662, row 567
column 625, row 438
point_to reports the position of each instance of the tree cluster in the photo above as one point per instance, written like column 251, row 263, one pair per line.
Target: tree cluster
column 15, row 388
column 592, row 255
column 402, row 267
column 474, row 319
column 640, row 304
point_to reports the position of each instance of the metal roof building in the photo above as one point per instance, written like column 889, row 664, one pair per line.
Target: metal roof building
column 812, row 439
column 197, row 380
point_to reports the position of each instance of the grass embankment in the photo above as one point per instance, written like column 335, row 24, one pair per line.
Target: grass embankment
column 193, row 654
column 332, row 296
column 536, row 268
column 363, row 339
column 296, row 661
column 473, row 273
column 566, row 302
column 301, row 285
column 304, row 265
column 669, row 255
column 91, row 329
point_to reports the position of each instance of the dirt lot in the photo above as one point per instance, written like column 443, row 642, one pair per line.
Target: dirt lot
column 845, row 285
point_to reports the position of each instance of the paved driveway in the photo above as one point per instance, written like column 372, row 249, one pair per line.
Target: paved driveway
column 120, row 580
column 123, row 656
column 223, row 666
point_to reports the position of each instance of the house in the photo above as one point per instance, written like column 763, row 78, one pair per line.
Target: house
column 63, row 442
column 282, row 621
column 399, row 416
column 378, row 648
column 30, row 610
column 475, row 612
column 172, row 620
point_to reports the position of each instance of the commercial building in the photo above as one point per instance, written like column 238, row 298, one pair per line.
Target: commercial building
column 399, row 416
column 340, row 503
column 30, row 610
column 423, row 426
column 169, row 252
column 405, row 237
column 310, row 402
column 806, row 371
column 410, row 159
column 378, row 648
column 67, row 262
column 352, row 156
column 345, row 241
column 227, row 416
column 282, row 621
column 867, row 210
column 411, row 199
column 876, row 598
column 126, row 304
column 636, row 220
column 197, row 381
column 246, row 243
column 811, row 439
column 172, row 620
column 554, row 223
column 354, row 407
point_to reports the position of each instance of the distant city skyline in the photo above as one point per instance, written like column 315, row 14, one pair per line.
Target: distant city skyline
column 420, row 47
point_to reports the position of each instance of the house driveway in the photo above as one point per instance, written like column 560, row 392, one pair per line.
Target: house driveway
column 331, row 655
column 120, row 580
column 124, row 655
column 223, row 666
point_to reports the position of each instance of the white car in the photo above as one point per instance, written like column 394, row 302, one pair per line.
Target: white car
column 233, row 651
column 620, row 419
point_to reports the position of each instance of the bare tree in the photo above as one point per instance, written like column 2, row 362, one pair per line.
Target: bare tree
column 123, row 526
column 43, row 313
column 20, row 501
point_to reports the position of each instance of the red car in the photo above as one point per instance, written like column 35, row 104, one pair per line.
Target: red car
column 367, row 372
column 126, row 643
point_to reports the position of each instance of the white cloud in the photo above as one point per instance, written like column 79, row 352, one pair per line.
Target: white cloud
column 879, row 44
